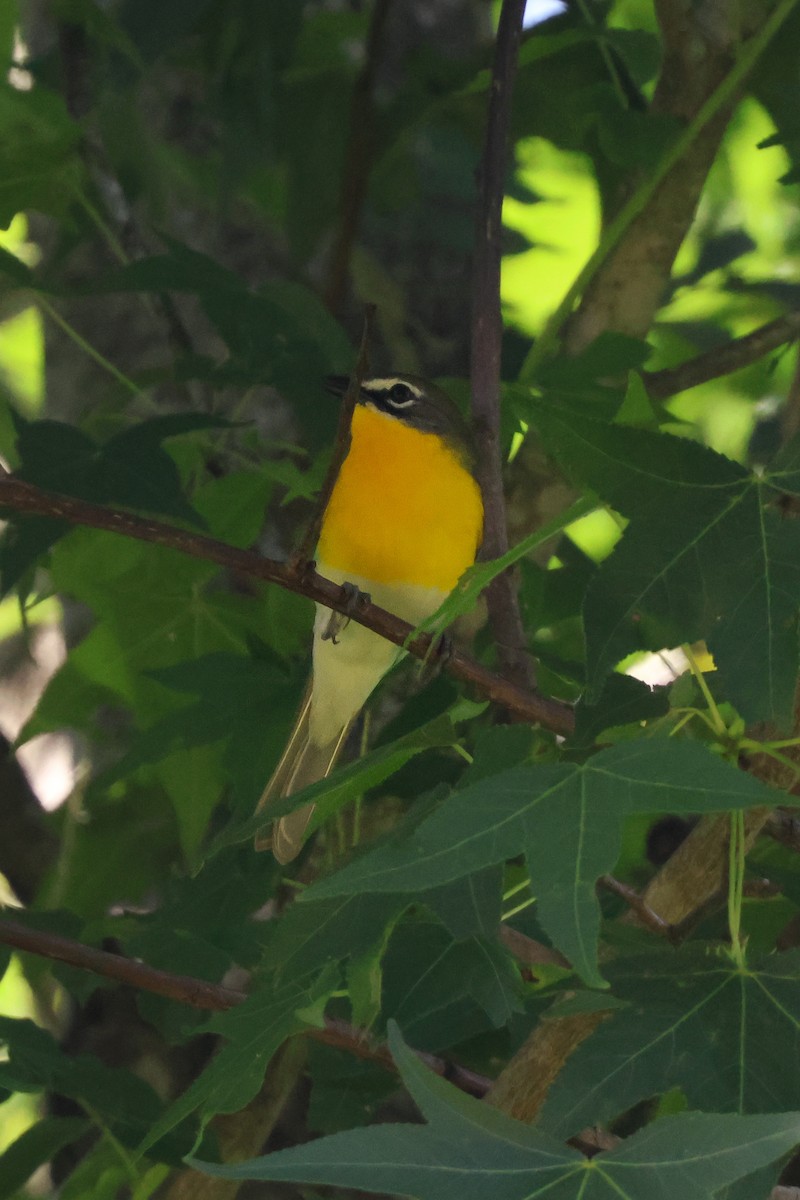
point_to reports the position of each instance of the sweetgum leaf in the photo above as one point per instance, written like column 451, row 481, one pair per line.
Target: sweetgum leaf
column 42, row 168
column 36, row 1062
column 131, row 468
column 36, row 1147
column 706, row 555
column 468, row 1151
column 253, row 1031
column 566, row 818
column 692, row 1020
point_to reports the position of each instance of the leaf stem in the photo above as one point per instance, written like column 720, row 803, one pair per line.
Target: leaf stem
column 128, row 1162
column 736, row 868
column 716, row 722
column 520, row 908
column 766, row 748
column 516, row 889
column 87, row 347
column 687, row 715
column 114, row 244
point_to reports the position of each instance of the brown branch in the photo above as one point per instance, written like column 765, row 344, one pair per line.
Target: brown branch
column 699, row 46
column 183, row 988
column 528, row 951
column 213, row 996
column 487, row 332
column 355, row 171
column 301, row 557
column 645, row 915
column 23, row 497
column 723, row 360
column 695, row 877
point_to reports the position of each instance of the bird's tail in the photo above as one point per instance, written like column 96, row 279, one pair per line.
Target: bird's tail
column 302, row 763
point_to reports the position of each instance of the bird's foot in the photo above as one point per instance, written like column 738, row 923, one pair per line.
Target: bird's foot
column 440, row 652
column 353, row 599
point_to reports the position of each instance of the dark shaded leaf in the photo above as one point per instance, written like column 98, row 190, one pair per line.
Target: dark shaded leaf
column 566, row 819
column 468, row 1151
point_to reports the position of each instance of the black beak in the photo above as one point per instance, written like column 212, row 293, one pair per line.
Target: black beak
column 337, row 384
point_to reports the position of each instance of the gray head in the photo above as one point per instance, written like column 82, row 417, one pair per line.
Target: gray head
column 416, row 402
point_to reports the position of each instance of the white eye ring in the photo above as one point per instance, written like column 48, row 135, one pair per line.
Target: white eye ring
column 403, row 397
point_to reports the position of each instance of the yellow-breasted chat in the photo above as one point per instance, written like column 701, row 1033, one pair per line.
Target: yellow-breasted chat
column 403, row 522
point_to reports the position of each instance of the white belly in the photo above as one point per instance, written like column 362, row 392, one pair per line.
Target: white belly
column 346, row 671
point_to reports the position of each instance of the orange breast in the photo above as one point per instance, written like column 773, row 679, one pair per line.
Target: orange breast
column 404, row 508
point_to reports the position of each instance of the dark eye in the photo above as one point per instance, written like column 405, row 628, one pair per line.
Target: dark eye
column 400, row 395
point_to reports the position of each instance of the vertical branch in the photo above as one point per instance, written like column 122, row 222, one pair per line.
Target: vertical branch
column 356, row 165
column 487, row 331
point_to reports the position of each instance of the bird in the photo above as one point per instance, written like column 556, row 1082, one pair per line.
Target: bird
column 403, row 522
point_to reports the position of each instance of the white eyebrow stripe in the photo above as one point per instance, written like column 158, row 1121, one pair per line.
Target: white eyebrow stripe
column 381, row 385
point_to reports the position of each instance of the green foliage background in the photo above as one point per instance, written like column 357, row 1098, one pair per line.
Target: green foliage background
column 176, row 185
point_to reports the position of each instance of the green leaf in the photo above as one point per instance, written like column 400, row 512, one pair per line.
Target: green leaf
column 468, row 1151
column 15, row 269
column 131, row 468
column 364, row 978
column 104, row 868
column 41, row 167
column 471, row 905
column 154, row 28
column 421, row 963
column 706, row 555
column 623, row 700
column 344, row 785
column 204, row 922
column 281, row 334
column 253, row 1031
column 36, row 1062
column 236, row 703
column 477, row 578
column 309, row 935
column 344, row 1090
column 155, row 609
column 35, row 1147
column 693, row 1020
column 566, row 818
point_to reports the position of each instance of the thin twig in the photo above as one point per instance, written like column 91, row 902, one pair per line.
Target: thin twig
column 528, row 951
column 196, row 992
column 723, row 360
column 487, row 332
column 355, row 172
column 301, row 558
column 359, row 1043
column 213, row 996
column 646, row 915
column 528, row 705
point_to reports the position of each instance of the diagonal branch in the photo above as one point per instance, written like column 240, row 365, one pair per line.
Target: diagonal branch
column 213, row 996
column 528, row 705
column 723, row 360
column 487, row 332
